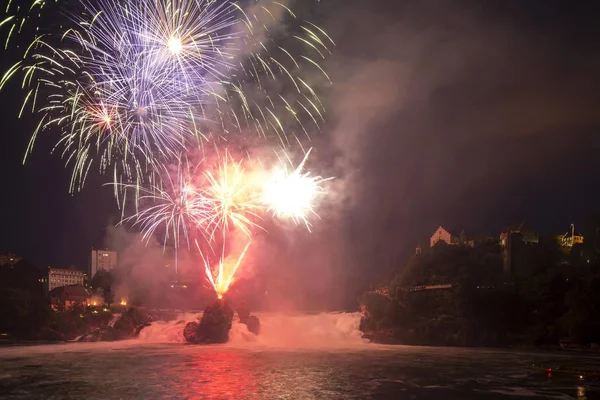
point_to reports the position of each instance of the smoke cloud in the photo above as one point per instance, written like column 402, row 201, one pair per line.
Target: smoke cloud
column 440, row 112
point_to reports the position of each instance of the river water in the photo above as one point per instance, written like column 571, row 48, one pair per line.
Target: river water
column 318, row 356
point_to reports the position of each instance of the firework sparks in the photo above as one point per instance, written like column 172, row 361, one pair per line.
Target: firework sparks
column 221, row 276
column 177, row 211
column 175, row 45
column 132, row 86
column 159, row 71
column 213, row 203
column 291, row 194
column 226, row 198
column 234, row 204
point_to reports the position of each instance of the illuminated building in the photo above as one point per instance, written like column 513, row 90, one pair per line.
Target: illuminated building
column 571, row 238
column 101, row 260
column 9, row 258
column 58, row 277
column 444, row 235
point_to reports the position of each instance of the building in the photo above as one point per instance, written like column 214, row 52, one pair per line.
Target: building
column 514, row 236
column 58, row 277
column 523, row 231
column 571, row 238
column 453, row 239
column 101, row 260
column 64, row 297
column 9, row 258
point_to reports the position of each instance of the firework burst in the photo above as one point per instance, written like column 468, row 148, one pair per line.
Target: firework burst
column 163, row 76
column 234, row 204
column 291, row 194
column 133, row 86
column 177, row 211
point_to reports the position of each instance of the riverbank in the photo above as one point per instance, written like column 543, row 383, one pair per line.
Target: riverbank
column 390, row 337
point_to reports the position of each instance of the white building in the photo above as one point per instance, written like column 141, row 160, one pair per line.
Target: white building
column 58, row 277
column 105, row 260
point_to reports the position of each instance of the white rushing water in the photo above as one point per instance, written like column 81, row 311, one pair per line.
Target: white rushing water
column 277, row 330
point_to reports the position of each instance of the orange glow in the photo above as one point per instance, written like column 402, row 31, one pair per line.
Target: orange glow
column 221, row 276
column 123, row 302
column 95, row 301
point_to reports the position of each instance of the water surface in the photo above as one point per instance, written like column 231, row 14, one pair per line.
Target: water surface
column 328, row 361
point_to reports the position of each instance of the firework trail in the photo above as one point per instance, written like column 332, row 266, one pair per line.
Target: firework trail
column 221, row 276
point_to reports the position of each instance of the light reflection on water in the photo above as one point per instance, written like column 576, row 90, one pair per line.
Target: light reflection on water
column 175, row 371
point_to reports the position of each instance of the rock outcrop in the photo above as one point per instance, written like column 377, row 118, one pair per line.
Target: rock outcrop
column 213, row 327
column 128, row 326
column 251, row 321
column 190, row 332
column 131, row 323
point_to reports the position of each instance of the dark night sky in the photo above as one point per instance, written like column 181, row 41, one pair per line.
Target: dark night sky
column 472, row 114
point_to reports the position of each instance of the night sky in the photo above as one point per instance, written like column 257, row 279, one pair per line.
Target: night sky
column 470, row 114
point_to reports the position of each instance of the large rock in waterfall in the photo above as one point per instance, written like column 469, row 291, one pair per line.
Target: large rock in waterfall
column 253, row 324
column 214, row 325
column 190, row 332
column 131, row 323
column 251, row 321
